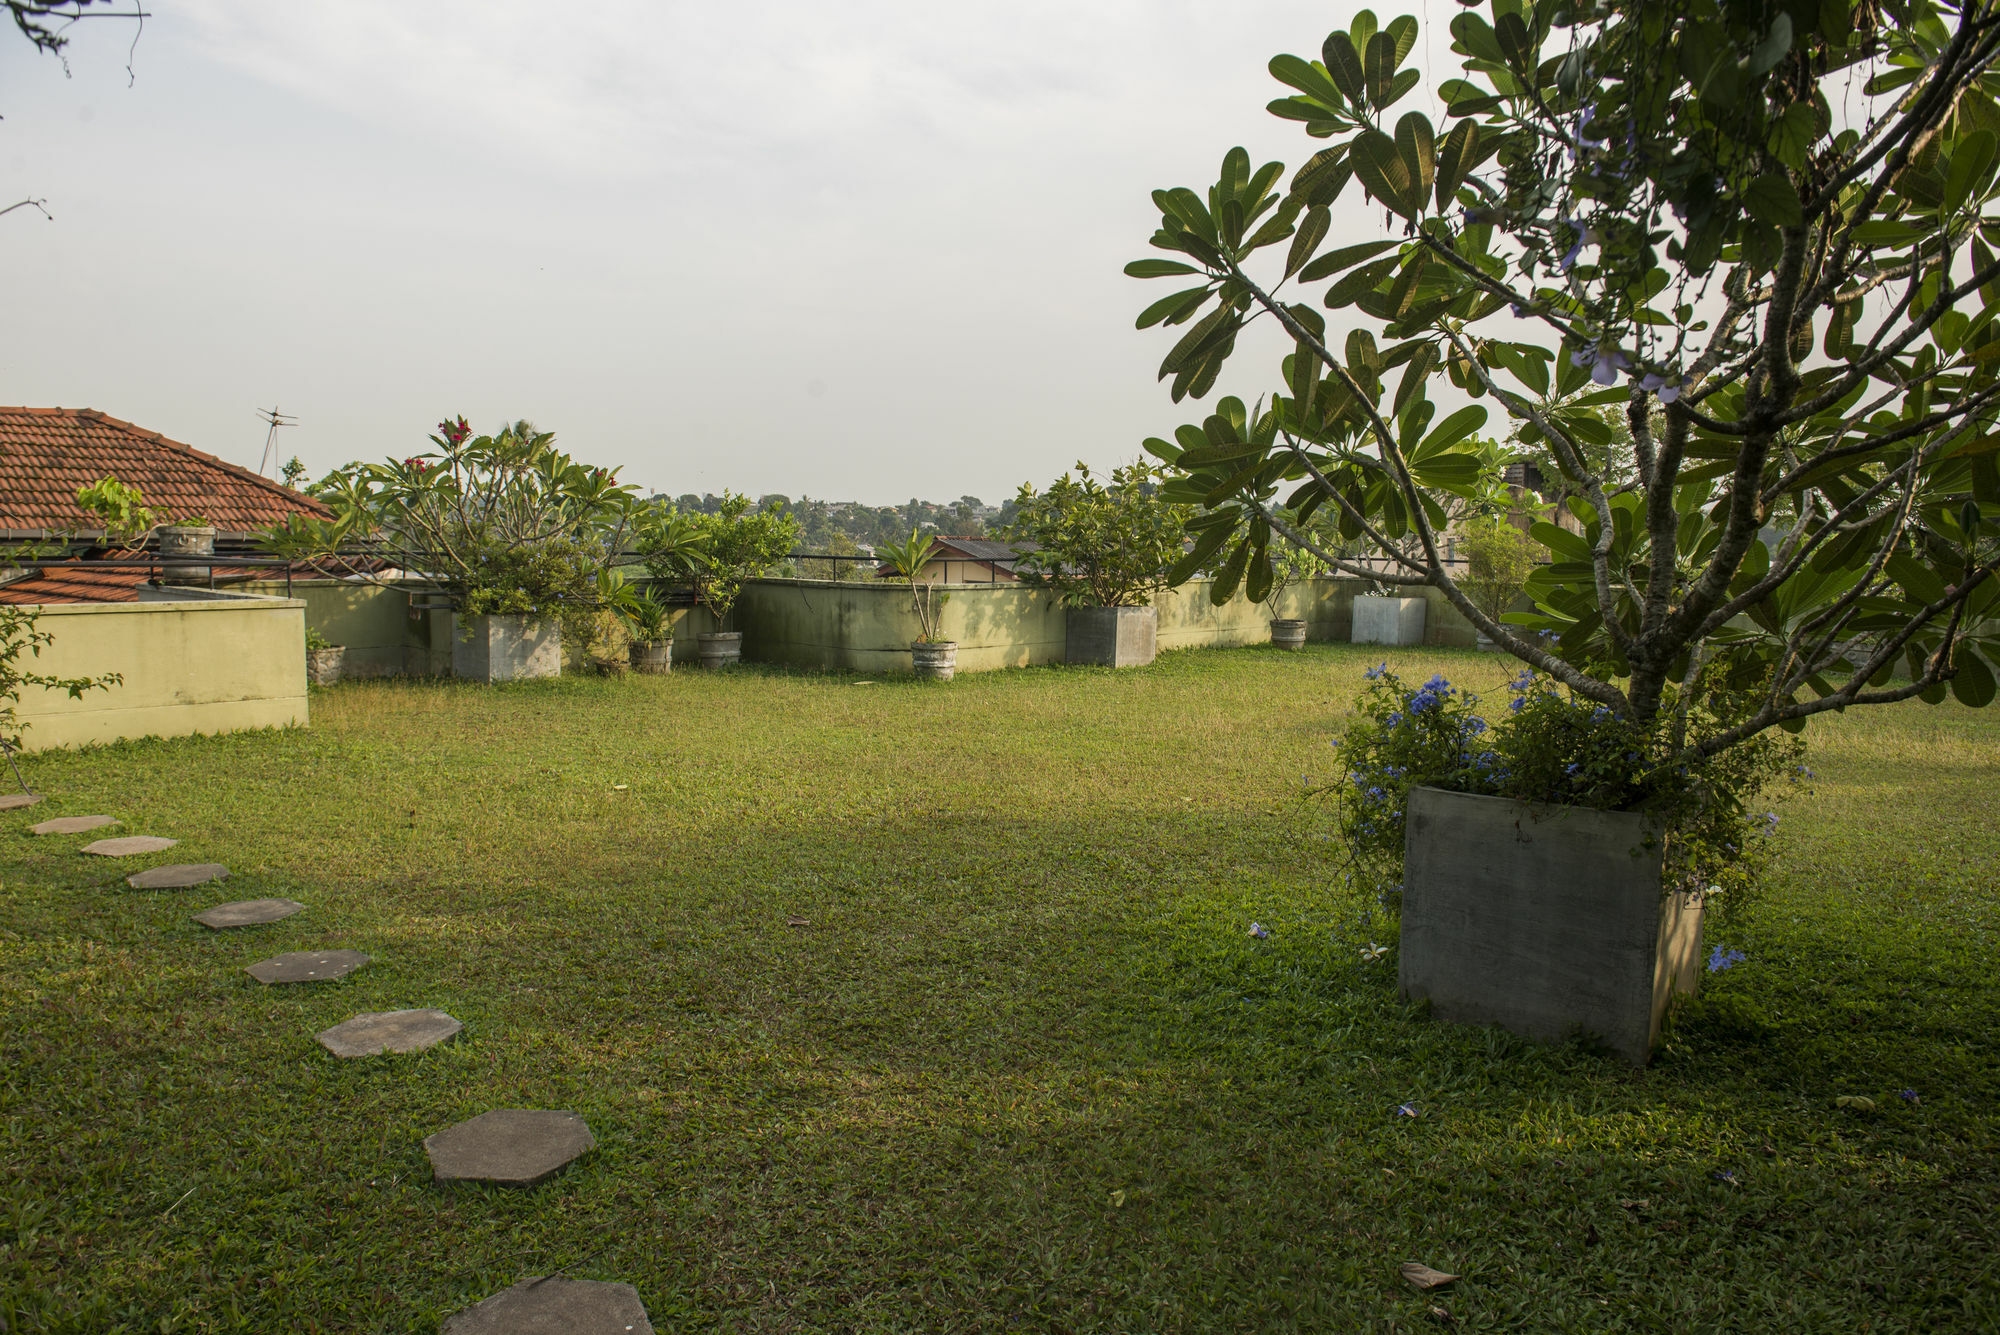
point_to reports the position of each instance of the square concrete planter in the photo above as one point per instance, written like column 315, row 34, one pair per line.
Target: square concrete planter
column 1111, row 636
column 1379, row 620
column 1547, row 921
column 506, row 648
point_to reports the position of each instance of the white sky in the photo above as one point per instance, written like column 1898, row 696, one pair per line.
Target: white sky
column 859, row 250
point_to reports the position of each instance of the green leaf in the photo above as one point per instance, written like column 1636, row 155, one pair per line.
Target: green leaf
column 1335, row 260
column 1973, row 684
column 1312, row 231
column 1175, row 308
column 1452, row 430
column 1777, row 44
column 1158, row 268
column 1771, row 199
column 1971, row 160
column 1296, row 73
column 1455, row 160
column 1205, row 546
column 1378, row 64
column 1561, row 541
column 1417, row 147
column 1361, row 280
column 1231, row 574
column 1382, row 169
column 1343, row 65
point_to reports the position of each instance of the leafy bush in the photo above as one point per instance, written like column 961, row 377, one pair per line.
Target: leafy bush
column 1499, row 558
column 907, row 560
column 1099, row 546
column 717, row 554
column 1557, row 748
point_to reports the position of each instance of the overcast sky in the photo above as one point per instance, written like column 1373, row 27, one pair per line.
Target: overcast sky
column 858, row 250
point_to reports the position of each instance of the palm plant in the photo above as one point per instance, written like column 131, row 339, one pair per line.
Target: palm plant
column 907, row 560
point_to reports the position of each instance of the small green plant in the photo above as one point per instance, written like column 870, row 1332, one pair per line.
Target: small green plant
column 315, row 641
column 907, row 560
column 119, row 510
column 646, row 616
column 1499, row 558
column 1556, row 748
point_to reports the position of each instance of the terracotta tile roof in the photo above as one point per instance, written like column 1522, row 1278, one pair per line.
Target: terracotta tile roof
column 107, row 586
column 47, row 453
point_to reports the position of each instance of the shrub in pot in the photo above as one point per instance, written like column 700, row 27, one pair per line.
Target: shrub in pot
column 715, row 556
column 648, row 619
column 517, row 534
column 1500, row 558
column 931, row 655
column 1104, row 551
column 324, row 659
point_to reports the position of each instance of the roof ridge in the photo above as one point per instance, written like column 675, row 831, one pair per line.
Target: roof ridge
column 159, row 439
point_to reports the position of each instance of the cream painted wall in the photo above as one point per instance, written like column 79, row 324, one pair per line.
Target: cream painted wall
column 208, row 665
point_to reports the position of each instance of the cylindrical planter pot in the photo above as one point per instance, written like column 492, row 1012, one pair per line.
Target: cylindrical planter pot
column 323, row 665
column 505, row 648
column 1379, row 620
column 652, row 658
column 182, row 541
column 1547, row 921
column 720, row 648
column 1287, row 633
column 1111, row 636
column 935, row 659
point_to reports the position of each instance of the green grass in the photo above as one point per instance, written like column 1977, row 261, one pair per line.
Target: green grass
column 1023, row 1071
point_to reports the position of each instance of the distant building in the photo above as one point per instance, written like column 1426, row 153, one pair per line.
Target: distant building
column 971, row 561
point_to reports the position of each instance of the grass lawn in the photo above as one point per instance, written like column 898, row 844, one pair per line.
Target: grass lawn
column 1023, row 1070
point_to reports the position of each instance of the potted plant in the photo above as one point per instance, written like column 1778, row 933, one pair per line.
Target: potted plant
column 324, row 659
column 518, row 535
column 1292, row 564
column 931, row 655
column 1636, row 209
column 716, row 555
column 1499, row 559
column 1104, row 551
column 649, row 621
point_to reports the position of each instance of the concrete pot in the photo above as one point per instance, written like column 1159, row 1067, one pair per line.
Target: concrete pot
column 720, row 648
column 185, row 540
column 1379, row 620
column 506, row 648
column 1111, row 636
column 652, row 658
column 1547, row 921
column 323, row 665
column 1287, row 633
column 935, row 659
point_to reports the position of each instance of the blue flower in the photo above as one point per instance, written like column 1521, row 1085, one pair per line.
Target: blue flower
column 1475, row 725
column 1909, row 1096
column 1406, row 1110
column 1259, row 930
column 1377, row 671
column 1523, row 682
column 1395, row 720
column 1573, row 767
column 1518, row 703
column 1720, row 959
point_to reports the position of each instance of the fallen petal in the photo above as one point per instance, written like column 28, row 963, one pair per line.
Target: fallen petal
column 1424, row 1278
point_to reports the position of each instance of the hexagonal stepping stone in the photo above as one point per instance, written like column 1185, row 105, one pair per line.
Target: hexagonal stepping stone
column 374, row 1032
column 72, row 824
column 510, row 1147
column 556, row 1307
column 307, row 966
column 179, row 876
column 129, row 845
column 15, row 801
column 248, row 913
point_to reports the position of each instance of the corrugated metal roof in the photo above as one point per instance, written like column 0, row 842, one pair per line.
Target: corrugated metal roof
column 46, row 454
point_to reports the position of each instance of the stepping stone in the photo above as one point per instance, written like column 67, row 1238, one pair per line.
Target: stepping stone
column 248, row 913
column 374, row 1032
column 71, row 824
column 129, row 845
column 15, row 801
column 556, row 1307
column 511, row 1147
column 179, row 876
column 307, row 966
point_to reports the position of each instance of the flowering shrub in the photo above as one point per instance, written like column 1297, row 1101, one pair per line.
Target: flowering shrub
column 1555, row 748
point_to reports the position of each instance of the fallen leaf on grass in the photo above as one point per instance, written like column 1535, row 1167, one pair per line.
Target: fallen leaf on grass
column 796, row 921
column 1424, row 1278
column 1634, row 1205
column 620, row 787
column 1117, row 1199
column 1442, row 1315
column 1857, row 1102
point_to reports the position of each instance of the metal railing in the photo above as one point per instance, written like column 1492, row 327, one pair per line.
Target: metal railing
column 207, row 564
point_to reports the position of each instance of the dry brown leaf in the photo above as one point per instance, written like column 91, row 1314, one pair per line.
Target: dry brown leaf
column 1424, row 1278
column 796, row 921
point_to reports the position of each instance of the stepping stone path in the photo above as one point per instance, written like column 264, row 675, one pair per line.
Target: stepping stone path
column 130, row 845
column 177, row 877
column 568, row 1306
column 15, row 801
column 307, row 966
column 71, row 825
column 248, row 913
column 374, row 1032
column 510, row 1147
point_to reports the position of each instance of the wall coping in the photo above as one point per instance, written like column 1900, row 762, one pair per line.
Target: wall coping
column 221, row 602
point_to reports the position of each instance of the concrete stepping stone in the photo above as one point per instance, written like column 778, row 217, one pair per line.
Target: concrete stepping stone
column 15, row 801
column 510, row 1147
column 129, row 845
column 248, row 913
column 179, row 876
column 375, row 1032
column 307, row 966
column 556, row 1307
column 72, row 824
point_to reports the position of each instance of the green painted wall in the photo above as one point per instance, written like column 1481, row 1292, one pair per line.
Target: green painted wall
column 375, row 624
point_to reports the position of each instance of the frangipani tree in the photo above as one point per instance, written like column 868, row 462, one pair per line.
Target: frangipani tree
column 1763, row 232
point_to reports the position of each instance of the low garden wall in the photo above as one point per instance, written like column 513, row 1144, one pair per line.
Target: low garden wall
column 199, row 664
column 382, row 633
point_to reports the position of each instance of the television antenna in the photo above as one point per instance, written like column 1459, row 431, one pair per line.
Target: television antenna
column 276, row 419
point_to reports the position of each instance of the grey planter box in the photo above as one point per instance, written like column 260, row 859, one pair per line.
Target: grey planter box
column 1547, row 921
column 1111, row 636
column 509, row 648
column 1379, row 620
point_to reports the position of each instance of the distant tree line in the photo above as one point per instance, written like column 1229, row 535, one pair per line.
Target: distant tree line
column 844, row 527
